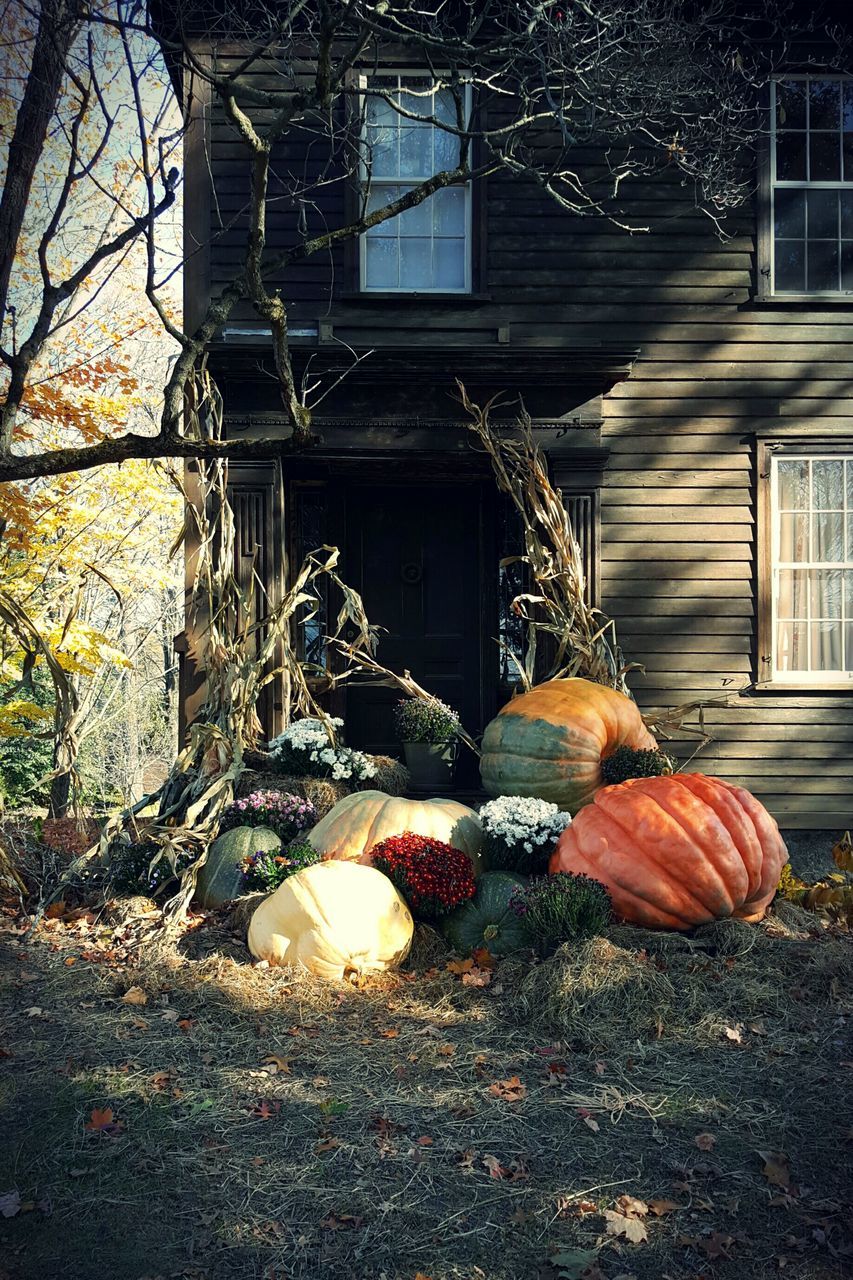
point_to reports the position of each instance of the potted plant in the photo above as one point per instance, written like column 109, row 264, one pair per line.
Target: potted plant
column 428, row 730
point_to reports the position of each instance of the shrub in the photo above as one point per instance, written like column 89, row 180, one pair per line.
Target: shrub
column 432, row 876
column 626, row 762
column 265, row 870
column 305, row 749
column 561, row 908
column 133, row 869
column 425, row 720
column 519, row 833
column 285, row 814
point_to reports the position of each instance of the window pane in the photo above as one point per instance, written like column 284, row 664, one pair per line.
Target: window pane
column 848, row 593
column 381, row 152
column 380, row 196
column 826, row 646
column 847, row 105
column 417, row 96
column 793, row 485
column 416, row 151
column 792, row 646
column 446, row 155
column 822, row 266
column 791, row 157
column 824, row 100
column 382, row 260
column 828, row 484
column 416, row 263
column 849, row 555
column 790, row 266
column 823, row 215
column 848, row 647
column 445, row 107
column 792, row 601
column 793, row 538
column 417, row 221
column 847, row 264
column 847, row 214
column 789, row 214
column 827, row 536
column 791, row 104
column 449, row 258
column 848, row 466
column 824, row 157
column 450, row 212
column 379, row 112
column 826, row 593
column 847, row 148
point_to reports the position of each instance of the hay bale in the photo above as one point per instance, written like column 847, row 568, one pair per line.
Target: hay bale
column 242, row 911
column 429, row 949
column 595, row 993
column 324, row 793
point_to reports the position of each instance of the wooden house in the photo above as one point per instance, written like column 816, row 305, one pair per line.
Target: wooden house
column 693, row 393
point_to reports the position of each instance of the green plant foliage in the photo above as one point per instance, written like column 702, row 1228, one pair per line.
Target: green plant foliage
column 487, row 919
column 264, row 870
column 626, row 762
column 133, row 869
column 425, row 720
column 561, row 908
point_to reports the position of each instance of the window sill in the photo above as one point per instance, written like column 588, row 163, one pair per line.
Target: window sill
column 420, row 299
column 804, row 299
column 776, row 687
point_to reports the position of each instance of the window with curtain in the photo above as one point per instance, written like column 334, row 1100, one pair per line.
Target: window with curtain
column 426, row 249
column 811, row 185
column 811, row 509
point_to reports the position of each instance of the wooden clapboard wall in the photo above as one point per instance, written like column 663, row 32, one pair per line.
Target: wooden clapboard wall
column 677, row 511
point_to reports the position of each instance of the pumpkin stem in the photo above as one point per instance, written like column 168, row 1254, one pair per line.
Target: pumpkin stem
column 628, row 762
column 490, row 931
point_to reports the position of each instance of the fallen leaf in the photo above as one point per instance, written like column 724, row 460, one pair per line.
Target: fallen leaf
column 278, row 1063
column 600, row 1068
column 446, row 1050
column 661, row 1207
column 705, row 1141
column 10, row 1203
column 34, row 1011
column 776, row 1169
column 135, row 995
column 161, row 1080
column 483, row 958
column 477, row 978
column 103, row 1121
column 69, row 960
column 494, row 1166
column 511, row 1090
column 573, row 1264
column 341, row 1222
column 265, row 1110
column 390, row 1033
column 55, row 910
column 632, row 1207
column 734, row 1033
column 328, row 1144
column 716, row 1245
column 186, row 1024
column 619, row 1224
column 588, row 1119
column 460, row 966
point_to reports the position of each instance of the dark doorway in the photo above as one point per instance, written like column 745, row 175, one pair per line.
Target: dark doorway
column 414, row 553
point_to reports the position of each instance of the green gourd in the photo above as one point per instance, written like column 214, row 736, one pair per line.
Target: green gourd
column 221, row 879
column 487, row 921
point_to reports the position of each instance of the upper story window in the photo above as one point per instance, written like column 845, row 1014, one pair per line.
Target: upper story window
column 811, row 513
column 811, row 185
column 426, row 249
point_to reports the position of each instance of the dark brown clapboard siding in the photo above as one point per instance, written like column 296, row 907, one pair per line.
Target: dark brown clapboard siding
column 677, row 507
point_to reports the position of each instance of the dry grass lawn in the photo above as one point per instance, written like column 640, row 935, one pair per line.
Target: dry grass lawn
column 639, row 1107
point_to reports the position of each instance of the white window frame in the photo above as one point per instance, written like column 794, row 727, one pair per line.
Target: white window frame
column 777, row 565
column 800, row 185
column 364, row 177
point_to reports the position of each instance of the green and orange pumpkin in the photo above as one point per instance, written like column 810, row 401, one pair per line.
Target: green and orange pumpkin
column 677, row 851
column 550, row 742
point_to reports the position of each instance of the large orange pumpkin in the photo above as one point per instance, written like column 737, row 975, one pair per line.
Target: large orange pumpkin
column 358, row 822
column 550, row 742
column 677, row 851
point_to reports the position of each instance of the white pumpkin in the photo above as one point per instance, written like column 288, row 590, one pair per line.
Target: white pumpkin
column 333, row 918
column 358, row 822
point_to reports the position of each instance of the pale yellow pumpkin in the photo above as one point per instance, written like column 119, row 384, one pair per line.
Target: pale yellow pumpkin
column 333, row 918
column 358, row 822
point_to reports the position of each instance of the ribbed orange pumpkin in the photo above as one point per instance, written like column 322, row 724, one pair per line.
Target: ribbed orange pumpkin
column 550, row 742
column 677, row 851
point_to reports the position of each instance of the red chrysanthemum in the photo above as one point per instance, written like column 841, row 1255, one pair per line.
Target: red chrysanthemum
column 432, row 876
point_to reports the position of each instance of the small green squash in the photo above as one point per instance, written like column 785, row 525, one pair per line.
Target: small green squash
column 221, row 879
column 487, row 921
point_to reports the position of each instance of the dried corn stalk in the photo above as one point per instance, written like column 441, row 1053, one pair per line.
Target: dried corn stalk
column 581, row 640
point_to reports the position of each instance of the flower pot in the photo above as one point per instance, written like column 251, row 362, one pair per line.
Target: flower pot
column 430, row 764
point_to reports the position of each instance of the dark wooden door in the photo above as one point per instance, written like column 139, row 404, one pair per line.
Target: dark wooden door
column 414, row 553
